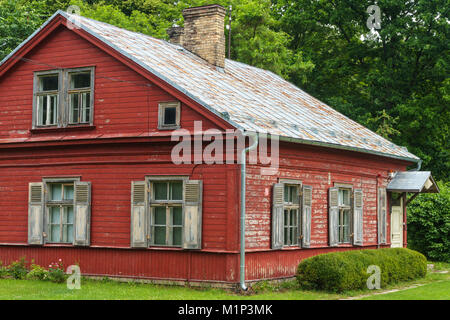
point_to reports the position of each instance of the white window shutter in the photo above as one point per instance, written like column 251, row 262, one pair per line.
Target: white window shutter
column 82, row 210
column 382, row 210
column 278, row 216
column 358, row 217
column 192, row 224
column 36, row 213
column 306, row 216
column 333, row 216
column 139, row 228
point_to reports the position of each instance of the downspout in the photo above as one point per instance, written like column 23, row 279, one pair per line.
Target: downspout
column 419, row 165
column 243, row 182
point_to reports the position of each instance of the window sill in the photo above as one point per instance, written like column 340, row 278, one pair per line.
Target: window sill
column 64, row 129
column 65, row 245
column 169, row 128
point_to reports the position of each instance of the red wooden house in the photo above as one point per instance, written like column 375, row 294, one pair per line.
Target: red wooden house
column 87, row 115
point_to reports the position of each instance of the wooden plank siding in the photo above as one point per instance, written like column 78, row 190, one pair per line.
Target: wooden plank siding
column 125, row 102
column 319, row 168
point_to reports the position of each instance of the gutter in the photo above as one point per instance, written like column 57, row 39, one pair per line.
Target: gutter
column 242, row 218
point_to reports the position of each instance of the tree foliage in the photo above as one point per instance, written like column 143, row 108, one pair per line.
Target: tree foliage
column 429, row 224
column 394, row 80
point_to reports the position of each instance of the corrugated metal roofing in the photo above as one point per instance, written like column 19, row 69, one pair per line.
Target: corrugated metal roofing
column 247, row 97
column 413, row 181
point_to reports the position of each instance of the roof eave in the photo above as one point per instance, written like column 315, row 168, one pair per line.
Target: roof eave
column 348, row 148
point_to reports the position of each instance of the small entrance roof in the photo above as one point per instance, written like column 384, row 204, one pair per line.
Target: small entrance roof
column 413, row 181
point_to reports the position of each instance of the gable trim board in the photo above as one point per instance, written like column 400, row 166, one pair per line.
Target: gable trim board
column 199, row 105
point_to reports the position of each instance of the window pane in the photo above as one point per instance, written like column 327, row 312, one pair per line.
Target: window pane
column 286, row 236
column 176, row 191
column 344, row 197
column 160, row 215
column 68, row 192
column 160, row 235
column 54, row 233
column 286, row 217
column 48, row 83
column 176, row 239
column 80, row 80
column 177, row 216
column 86, row 105
column 170, row 116
column 293, row 221
column 54, row 215
column 56, row 192
column 69, row 215
column 74, row 108
column 70, row 233
column 286, row 193
column 160, row 190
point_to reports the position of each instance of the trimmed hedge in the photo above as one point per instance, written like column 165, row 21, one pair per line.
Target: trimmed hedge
column 347, row 270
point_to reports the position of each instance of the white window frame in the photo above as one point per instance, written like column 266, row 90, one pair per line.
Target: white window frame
column 168, row 204
column 63, row 95
column 289, row 206
column 62, row 204
column 162, row 106
column 342, row 208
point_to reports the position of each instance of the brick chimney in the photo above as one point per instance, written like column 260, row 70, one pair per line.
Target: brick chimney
column 176, row 35
column 204, row 33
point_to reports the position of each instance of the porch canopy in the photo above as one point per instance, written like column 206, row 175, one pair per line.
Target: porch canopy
column 414, row 182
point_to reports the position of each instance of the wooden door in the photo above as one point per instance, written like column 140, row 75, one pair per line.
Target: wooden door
column 397, row 224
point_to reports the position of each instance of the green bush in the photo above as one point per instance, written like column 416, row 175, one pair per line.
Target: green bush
column 429, row 224
column 3, row 271
column 347, row 270
column 37, row 273
column 18, row 269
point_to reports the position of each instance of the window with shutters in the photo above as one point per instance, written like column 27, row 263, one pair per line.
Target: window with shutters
column 60, row 211
column 169, row 115
column 63, row 98
column 344, row 225
column 291, row 208
column 167, row 213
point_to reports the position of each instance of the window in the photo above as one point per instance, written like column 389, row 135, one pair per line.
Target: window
column 291, row 214
column 60, row 208
column 80, row 97
column 167, row 213
column 169, row 115
column 47, row 98
column 344, row 199
column 63, row 97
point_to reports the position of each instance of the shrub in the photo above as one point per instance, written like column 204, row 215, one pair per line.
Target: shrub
column 347, row 270
column 429, row 224
column 37, row 273
column 3, row 271
column 56, row 272
column 18, row 269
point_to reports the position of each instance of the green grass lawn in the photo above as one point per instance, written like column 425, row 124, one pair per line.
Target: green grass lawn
column 436, row 286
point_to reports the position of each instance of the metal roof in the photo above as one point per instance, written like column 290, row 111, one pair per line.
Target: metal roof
column 248, row 98
column 413, row 181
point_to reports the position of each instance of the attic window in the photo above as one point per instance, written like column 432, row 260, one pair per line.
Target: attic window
column 169, row 115
column 63, row 98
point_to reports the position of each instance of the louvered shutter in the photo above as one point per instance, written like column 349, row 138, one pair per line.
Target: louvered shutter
column 306, row 216
column 382, row 215
column 139, row 228
column 82, row 210
column 277, row 216
column 192, row 226
column 358, row 217
column 333, row 216
column 36, row 213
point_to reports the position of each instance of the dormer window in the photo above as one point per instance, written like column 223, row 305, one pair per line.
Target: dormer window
column 169, row 115
column 63, row 98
